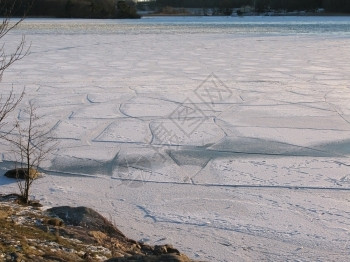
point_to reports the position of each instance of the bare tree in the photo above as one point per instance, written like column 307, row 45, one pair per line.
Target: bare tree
column 10, row 101
column 32, row 142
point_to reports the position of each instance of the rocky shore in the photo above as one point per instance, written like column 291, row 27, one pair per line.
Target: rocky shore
column 27, row 233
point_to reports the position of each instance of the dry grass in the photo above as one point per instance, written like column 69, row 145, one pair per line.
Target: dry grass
column 36, row 239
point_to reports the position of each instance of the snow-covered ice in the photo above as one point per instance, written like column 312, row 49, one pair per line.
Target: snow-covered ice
column 230, row 142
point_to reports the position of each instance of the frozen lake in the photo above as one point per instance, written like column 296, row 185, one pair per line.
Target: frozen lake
column 227, row 137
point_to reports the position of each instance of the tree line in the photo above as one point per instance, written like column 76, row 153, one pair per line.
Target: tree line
column 71, row 8
column 127, row 8
column 337, row 6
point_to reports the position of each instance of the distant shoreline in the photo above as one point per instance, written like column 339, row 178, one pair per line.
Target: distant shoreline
column 193, row 15
column 277, row 14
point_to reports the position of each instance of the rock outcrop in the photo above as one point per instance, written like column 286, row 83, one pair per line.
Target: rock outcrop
column 22, row 173
column 87, row 218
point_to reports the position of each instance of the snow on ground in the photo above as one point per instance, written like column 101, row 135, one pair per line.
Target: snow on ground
column 231, row 147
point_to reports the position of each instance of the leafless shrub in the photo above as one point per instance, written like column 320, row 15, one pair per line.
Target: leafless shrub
column 32, row 141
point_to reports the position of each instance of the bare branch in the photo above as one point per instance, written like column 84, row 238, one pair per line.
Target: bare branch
column 5, row 25
column 7, row 105
column 18, row 54
column 10, row 102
